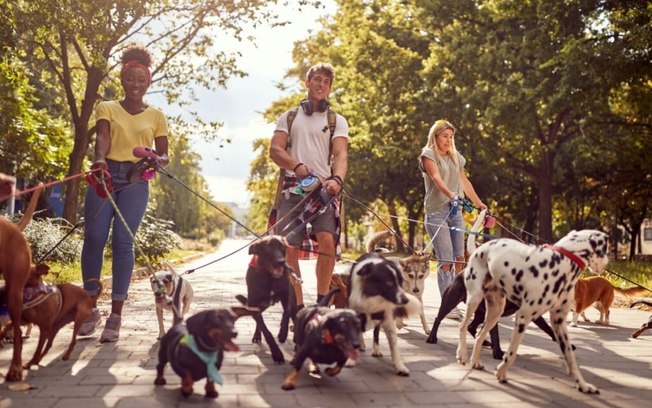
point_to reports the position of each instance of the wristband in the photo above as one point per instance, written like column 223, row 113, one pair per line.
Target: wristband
column 297, row 166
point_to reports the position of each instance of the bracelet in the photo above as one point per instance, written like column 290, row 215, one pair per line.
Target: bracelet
column 297, row 166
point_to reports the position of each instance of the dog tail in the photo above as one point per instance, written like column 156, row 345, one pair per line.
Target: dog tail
column 631, row 292
column 99, row 285
column 323, row 302
column 27, row 216
column 376, row 238
column 641, row 302
column 477, row 226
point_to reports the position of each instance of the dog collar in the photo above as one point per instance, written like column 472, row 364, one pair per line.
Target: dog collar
column 574, row 258
column 209, row 358
column 254, row 262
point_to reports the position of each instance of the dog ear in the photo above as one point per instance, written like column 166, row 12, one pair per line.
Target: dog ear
column 239, row 311
column 253, row 248
column 41, row 269
column 196, row 322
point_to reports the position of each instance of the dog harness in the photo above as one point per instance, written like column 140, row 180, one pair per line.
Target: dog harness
column 35, row 295
column 208, row 358
column 565, row 252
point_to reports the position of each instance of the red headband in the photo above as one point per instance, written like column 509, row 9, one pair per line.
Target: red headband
column 135, row 64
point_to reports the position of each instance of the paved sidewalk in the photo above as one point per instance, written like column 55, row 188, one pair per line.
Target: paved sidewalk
column 122, row 374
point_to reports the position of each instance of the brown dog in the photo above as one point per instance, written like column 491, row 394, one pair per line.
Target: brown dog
column 15, row 261
column 600, row 291
column 51, row 308
column 340, row 280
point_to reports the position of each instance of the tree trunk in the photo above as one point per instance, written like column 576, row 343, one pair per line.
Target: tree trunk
column 545, row 196
column 397, row 228
column 80, row 147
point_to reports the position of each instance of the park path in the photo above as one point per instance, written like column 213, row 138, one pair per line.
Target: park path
column 122, row 374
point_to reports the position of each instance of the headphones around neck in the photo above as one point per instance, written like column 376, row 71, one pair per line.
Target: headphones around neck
column 306, row 105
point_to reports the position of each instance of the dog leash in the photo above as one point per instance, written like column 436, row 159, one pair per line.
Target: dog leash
column 160, row 286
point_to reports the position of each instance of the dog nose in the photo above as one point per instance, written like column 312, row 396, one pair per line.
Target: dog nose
column 415, row 290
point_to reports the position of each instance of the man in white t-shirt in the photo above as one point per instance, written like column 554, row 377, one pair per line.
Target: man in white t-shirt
column 309, row 153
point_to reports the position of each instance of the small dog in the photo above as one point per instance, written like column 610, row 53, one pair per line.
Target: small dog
column 15, row 263
column 177, row 289
column 268, row 282
column 539, row 279
column 645, row 326
column 600, row 291
column 52, row 308
column 196, row 350
column 414, row 271
column 377, row 295
column 325, row 336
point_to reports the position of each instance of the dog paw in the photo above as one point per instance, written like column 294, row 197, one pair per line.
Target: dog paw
column 587, row 388
column 160, row 381
column 313, row 368
column 287, row 386
column 402, row 371
column 426, row 331
column 432, row 339
column 278, row 357
column 478, row 365
column 332, row 371
column 376, row 353
column 501, row 372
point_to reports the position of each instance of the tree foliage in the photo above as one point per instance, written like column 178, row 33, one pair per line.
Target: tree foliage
column 76, row 47
column 537, row 91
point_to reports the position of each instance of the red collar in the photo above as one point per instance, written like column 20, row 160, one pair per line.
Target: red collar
column 326, row 336
column 574, row 258
column 254, row 262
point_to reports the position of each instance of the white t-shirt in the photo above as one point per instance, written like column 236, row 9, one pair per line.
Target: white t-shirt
column 311, row 139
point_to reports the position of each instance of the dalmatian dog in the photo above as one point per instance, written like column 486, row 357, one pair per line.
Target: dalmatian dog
column 539, row 279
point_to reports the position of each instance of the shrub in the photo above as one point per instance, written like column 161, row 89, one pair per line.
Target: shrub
column 155, row 238
column 48, row 237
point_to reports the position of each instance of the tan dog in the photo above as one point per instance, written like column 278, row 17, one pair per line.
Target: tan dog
column 340, row 280
column 600, row 291
column 15, row 261
column 51, row 308
column 414, row 270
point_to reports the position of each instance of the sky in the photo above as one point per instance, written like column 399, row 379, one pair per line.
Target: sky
column 241, row 104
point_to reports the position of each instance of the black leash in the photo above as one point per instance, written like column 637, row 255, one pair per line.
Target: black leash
column 44, row 257
column 207, row 201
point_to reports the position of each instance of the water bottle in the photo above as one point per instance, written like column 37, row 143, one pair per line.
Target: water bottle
column 309, row 183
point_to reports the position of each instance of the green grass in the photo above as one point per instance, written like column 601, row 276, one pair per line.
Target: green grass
column 71, row 272
column 638, row 272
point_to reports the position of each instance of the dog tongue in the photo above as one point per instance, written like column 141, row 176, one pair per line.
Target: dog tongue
column 231, row 346
column 352, row 354
column 277, row 272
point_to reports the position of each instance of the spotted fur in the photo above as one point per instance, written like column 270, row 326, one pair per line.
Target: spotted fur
column 539, row 280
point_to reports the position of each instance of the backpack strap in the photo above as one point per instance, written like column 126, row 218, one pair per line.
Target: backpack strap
column 292, row 114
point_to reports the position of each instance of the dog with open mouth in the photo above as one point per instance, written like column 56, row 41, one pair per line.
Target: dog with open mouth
column 195, row 350
column 325, row 336
column 268, row 282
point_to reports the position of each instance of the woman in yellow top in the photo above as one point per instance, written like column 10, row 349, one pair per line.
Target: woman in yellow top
column 121, row 126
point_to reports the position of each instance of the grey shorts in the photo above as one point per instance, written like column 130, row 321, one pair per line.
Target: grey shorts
column 288, row 224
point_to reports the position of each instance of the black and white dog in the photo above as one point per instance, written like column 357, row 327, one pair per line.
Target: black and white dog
column 169, row 285
column 538, row 279
column 377, row 295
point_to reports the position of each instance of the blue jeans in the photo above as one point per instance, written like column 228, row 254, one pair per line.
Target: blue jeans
column 99, row 216
column 447, row 244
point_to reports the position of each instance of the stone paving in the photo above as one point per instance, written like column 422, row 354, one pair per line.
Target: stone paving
column 122, row 374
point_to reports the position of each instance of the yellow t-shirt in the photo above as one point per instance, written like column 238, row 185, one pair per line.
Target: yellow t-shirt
column 129, row 131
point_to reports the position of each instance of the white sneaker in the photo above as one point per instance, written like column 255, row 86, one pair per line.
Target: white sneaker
column 91, row 324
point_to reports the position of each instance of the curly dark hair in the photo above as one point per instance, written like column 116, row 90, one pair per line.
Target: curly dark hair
column 137, row 53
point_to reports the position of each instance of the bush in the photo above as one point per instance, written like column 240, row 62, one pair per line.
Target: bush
column 155, row 238
column 49, row 236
